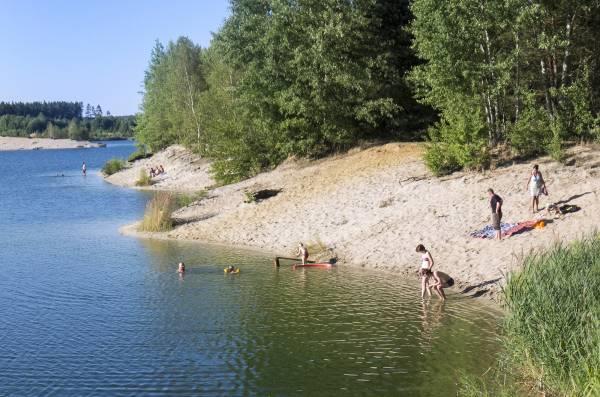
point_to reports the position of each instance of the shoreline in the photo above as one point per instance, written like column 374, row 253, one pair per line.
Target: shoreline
column 370, row 207
column 18, row 143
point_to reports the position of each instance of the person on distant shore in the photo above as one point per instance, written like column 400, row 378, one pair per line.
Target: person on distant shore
column 84, row 169
column 181, row 268
column 496, row 204
column 536, row 186
column 162, row 169
column 426, row 265
column 440, row 281
column 302, row 253
column 152, row 172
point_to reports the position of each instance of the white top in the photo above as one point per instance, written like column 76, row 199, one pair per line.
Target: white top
column 425, row 261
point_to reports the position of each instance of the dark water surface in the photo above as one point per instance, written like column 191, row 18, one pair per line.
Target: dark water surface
column 86, row 311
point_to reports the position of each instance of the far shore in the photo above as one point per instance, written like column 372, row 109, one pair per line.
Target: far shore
column 371, row 207
column 15, row 143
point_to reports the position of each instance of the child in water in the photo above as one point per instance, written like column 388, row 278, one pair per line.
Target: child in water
column 426, row 265
column 181, row 268
column 302, row 253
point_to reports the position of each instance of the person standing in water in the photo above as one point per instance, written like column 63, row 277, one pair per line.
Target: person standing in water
column 536, row 186
column 83, row 169
column 181, row 268
column 302, row 253
column 496, row 204
column 426, row 265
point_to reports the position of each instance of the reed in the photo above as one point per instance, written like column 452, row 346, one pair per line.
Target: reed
column 144, row 179
column 553, row 323
column 157, row 217
column 551, row 333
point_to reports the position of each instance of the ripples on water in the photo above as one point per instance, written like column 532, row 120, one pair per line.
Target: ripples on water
column 85, row 311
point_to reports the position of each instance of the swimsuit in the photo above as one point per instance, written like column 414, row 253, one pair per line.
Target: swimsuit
column 535, row 185
column 425, row 262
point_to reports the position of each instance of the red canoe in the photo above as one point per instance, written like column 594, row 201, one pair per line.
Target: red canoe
column 323, row 264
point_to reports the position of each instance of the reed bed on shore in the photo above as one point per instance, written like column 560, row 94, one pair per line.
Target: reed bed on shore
column 552, row 330
column 157, row 217
column 553, row 324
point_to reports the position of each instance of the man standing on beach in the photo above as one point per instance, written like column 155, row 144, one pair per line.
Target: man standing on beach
column 496, row 204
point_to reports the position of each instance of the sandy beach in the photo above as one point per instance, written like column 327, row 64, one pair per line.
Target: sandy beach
column 371, row 208
column 11, row 143
column 184, row 172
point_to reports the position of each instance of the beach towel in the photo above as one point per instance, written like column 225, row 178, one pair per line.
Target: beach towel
column 521, row 227
column 489, row 232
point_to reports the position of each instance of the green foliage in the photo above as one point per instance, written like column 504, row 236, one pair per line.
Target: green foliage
column 183, row 199
column 554, row 318
column 144, row 179
column 53, row 120
column 525, row 67
column 139, row 154
column 157, row 216
column 284, row 79
column 112, row 166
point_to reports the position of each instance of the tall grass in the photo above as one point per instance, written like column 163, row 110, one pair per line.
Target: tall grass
column 157, row 217
column 144, row 179
column 112, row 166
column 553, row 325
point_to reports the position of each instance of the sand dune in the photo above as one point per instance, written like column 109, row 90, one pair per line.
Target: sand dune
column 372, row 207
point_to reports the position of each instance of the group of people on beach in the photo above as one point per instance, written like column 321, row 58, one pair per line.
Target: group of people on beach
column 156, row 171
column 437, row 280
column 536, row 187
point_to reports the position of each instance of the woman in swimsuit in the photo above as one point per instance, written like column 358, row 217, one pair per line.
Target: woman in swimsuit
column 536, row 186
column 426, row 265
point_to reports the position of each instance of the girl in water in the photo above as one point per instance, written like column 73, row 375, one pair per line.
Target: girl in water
column 536, row 186
column 426, row 265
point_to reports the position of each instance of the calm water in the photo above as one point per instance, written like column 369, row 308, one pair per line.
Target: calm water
column 86, row 311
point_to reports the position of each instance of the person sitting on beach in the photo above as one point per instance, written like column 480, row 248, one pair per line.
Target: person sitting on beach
column 302, row 253
column 162, row 169
column 496, row 204
column 152, row 172
column 181, row 268
column 536, row 186
column 440, row 281
column 426, row 265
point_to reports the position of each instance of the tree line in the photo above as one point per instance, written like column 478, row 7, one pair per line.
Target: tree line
column 62, row 120
column 310, row 77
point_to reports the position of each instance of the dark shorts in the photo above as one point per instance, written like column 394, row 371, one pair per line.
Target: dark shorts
column 496, row 218
column 449, row 283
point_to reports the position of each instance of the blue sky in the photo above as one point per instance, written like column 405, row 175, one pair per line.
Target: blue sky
column 93, row 51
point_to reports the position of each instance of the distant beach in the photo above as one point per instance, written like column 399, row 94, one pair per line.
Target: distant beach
column 12, row 143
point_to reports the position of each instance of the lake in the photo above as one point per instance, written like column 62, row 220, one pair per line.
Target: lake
column 87, row 311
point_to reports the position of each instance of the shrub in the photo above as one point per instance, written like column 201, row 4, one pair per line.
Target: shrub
column 183, row 200
column 157, row 217
column 144, row 179
column 554, row 318
column 139, row 154
column 112, row 166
